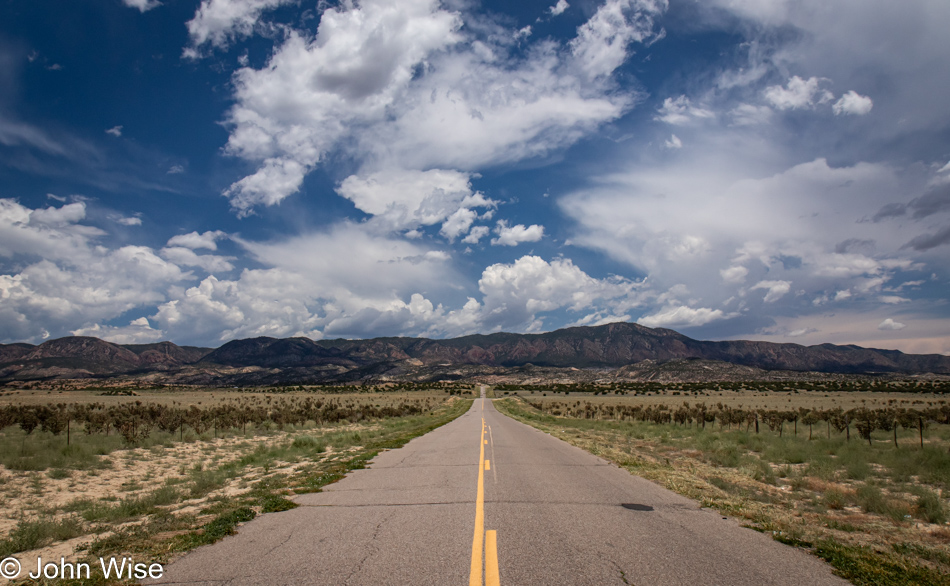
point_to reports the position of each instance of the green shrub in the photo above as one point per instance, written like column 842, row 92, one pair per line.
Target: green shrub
column 930, row 508
column 37, row 533
column 309, row 443
column 834, row 499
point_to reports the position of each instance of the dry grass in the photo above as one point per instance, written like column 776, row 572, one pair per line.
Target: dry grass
column 874, row 529
column 154, row 502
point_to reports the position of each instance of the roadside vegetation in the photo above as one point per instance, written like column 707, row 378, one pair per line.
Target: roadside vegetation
column 864, row 487
column 155, row 479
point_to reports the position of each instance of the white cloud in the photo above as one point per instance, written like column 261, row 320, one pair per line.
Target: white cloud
column 776, row 289
column 893, row 299
column 139, row 331
column 559, row 8
column 63, row 278
column 194, row 240
column 274, row 181
column 129, row 220
column 458, row 224
column 187, row 257
column 697, row 219
column 853, row 103
column 749, row 115
column 515, row 294
column 601, row 43
column 408, row 199
column 673, row 142
column 385, row 80
column 679, row 111
column 175, row 170
column 142, row 5
column 736, row 274
column 514, row 235
column 477, row 233
column 115, row 131
column 67, row 214
column 219, row 22
column 682, row 316
column 797, row 94
column 891, row 325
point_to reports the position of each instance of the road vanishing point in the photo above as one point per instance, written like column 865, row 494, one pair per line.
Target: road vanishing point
column 489, row 500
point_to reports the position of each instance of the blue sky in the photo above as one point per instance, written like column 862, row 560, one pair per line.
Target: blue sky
column 200, row 171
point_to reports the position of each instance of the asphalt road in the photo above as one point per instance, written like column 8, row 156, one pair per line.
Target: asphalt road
column 553, row 515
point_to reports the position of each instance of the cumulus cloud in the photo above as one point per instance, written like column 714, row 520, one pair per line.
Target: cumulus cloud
column 890, row 325
column 458, row 224
column 476, row 234
column 853, row 103
column 735, row 274
column 679, row 111
column 559, row 8
column 139, row 331
column 219, row 22
column 673, row 142
column 682, row 316
column 115, row 131
column 194, row 240
column 61, row 278
column 142, row 5
column 385, row 79
column 515, row 294
column 514, row 235
column 188, row 258
column 776, row 289
column 893, row 299
column 798, row 93
column 403, row 199
column 129, row 220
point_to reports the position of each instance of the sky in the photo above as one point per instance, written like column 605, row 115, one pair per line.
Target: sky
column 202, row 171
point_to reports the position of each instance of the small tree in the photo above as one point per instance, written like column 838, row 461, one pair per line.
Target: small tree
column 866, row 422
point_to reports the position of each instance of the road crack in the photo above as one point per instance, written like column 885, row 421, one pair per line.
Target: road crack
column 373, row 549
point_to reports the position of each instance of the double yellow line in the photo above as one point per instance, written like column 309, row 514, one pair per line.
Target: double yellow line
column 488, row 538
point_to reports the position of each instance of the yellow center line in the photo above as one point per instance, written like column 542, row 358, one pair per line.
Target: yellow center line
column 491, row 559
column 494, row 471
column 475, row 573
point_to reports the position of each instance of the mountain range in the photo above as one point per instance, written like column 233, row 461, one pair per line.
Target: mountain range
column 301, row 360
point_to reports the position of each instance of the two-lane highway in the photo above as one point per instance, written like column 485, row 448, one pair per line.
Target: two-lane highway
column 486, row 499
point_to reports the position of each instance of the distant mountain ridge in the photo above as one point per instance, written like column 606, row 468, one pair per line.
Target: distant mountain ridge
column 609, row 346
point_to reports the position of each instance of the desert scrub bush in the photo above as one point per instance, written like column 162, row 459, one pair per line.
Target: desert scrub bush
column 126, row 508
column 866, row 567
column 929, row 507
column 35, row 533
column 762, row 472
column 835, row 499
column 308, row 443
column 873, row 500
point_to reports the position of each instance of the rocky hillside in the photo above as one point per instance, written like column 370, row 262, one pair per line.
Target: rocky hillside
column 269, row 360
